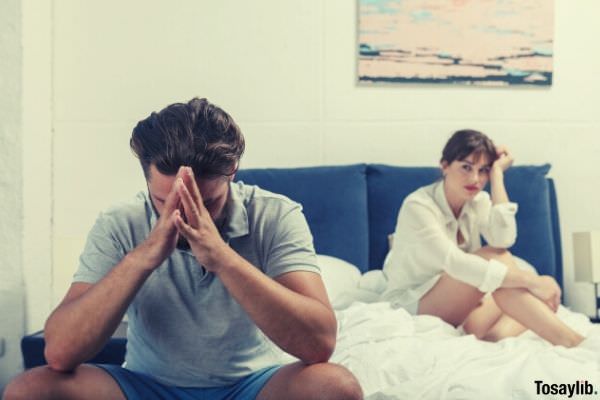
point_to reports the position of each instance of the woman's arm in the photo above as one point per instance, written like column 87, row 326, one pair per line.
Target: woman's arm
column 422, row 243
column 425, row 245
column 543, row 287
column 504, row 161
column 496, row 217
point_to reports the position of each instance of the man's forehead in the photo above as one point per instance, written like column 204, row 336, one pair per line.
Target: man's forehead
column 160, row 184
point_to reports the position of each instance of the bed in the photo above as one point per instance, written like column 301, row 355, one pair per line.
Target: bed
column 398, row 356
column 351, row 210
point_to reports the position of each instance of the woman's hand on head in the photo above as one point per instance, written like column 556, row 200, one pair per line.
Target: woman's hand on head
column 505, row 159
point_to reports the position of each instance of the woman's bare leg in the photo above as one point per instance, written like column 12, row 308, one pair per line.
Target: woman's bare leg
column 503, row 328
column 450, row 299
column 482, row 318
column 488, row 322
column 532, row 313
column 526, row 309
column 457, row 302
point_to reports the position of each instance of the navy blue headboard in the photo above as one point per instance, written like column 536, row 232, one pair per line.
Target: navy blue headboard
column 334, row 200
column 352, row 209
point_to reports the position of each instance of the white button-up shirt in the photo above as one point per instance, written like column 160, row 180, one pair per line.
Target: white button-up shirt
column 425, row 244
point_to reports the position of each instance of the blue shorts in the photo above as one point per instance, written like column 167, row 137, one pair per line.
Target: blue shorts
column 138, row 386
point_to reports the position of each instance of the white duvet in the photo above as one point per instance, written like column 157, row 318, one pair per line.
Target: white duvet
column 398, row 356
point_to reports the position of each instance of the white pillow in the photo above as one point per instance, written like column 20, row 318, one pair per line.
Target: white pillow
column 338, row 275
column 373, row 281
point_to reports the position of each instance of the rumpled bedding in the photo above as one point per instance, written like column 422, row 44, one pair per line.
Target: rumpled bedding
column 398, row 356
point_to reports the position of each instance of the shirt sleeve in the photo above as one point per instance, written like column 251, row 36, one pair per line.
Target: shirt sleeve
column 426, row 244
column 101, row 253
column 289, row 247
column 497, row 222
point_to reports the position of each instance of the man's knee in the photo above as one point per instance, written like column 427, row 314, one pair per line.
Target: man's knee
column 341, row 384
column 13, row 391
column 38, row 383
column 24, row 386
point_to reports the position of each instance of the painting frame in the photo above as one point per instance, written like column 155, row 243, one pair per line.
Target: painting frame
column 455, row 42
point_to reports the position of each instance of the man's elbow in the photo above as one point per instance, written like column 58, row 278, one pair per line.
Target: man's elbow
column 58, row 359
column 321, row 351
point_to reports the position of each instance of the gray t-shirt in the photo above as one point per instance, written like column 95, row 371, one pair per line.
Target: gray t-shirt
column 185, row 329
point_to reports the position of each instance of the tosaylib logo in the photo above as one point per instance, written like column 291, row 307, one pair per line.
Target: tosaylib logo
column 565, row 389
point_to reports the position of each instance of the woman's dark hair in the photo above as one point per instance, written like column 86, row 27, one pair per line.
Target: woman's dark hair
column 468, row 141
column 197, row 134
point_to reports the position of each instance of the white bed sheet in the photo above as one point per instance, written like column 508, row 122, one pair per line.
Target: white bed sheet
column 398, row 356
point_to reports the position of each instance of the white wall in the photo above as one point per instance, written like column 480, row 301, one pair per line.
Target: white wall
column 286, row 72
column 37, row 163
column 12, row 318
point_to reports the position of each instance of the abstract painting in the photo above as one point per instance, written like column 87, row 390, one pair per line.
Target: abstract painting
column 471, row 42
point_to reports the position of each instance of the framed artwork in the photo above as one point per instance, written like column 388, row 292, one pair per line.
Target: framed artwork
column 470, row 42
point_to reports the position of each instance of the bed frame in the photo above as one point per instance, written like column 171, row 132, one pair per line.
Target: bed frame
column 351, row 210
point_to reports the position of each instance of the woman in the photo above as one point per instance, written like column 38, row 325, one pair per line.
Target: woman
column 437, row 265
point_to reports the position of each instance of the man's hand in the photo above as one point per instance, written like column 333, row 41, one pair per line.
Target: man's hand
column 162, row 240
column 199, row 230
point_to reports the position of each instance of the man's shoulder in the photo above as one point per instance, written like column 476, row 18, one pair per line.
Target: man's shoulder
column 257, row 199
column 127, row 214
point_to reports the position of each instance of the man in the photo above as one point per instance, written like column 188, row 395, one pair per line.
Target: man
column 209, row 273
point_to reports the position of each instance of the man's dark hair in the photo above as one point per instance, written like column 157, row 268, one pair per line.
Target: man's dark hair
column 197, row 134
column 468, row 141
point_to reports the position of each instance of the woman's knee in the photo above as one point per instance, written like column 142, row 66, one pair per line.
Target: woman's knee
column 502, row 255
column 504, row 295
column 471, row 328
column 489, row 252
column 481, row 319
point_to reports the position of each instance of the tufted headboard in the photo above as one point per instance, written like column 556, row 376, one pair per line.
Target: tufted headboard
column 351, row 209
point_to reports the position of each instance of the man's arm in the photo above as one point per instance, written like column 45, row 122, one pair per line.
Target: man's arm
column 292, row 310
column 89, row 314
